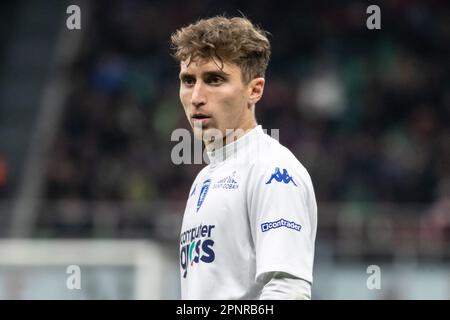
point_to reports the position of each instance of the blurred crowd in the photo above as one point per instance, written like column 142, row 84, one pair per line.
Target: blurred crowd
column 366, row 111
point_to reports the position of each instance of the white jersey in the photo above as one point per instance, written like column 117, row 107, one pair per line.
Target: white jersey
column 251, row 211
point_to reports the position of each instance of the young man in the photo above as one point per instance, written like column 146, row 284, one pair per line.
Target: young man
column 250, row 222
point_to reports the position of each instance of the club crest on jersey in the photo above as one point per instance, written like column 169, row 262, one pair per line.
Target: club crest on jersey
column 203, row 191
column 281, row 177
column 193, row 191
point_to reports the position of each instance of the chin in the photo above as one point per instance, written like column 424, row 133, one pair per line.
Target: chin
column 198, row 133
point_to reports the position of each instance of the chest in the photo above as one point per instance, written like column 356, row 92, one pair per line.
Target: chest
column 218, row 197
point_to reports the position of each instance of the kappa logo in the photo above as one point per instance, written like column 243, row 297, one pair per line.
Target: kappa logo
column 203, row 191
column 281, row 177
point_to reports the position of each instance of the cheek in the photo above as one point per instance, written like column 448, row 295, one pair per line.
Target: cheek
column 184, row 98
column 231, row 110
column 237, row 103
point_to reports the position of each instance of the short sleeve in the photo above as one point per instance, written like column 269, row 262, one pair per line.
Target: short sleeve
column 282, row 215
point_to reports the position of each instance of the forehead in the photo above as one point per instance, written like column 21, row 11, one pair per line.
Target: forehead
column 208, row 65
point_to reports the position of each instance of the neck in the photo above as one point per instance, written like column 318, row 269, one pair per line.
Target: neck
column 230, row 137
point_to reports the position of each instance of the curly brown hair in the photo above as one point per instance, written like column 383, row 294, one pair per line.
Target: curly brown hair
column 234, row 40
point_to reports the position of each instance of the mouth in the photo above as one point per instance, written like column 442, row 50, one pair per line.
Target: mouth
column 200, row 117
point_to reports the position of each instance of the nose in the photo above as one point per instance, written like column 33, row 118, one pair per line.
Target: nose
column 198, row 97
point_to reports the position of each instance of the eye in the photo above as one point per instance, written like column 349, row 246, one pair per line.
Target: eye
column 188, row 81
column 215, row 80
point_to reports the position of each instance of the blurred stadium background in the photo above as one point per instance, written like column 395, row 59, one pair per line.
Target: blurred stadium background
column 86, row 116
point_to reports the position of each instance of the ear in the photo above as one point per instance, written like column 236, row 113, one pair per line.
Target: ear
column 256, row 88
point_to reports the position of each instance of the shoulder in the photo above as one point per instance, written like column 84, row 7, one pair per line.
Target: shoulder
column 202, row 174
column 272, row 159
column 199, row 178
column 271, row 153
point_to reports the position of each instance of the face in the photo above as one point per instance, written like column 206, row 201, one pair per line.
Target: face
column 215, row 98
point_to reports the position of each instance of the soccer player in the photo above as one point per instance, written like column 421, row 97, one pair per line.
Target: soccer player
column 250, row 221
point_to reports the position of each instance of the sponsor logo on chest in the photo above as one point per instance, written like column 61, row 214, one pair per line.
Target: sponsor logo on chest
column 228, row 182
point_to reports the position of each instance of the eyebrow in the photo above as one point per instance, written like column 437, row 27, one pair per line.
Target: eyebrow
column 205, row 74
